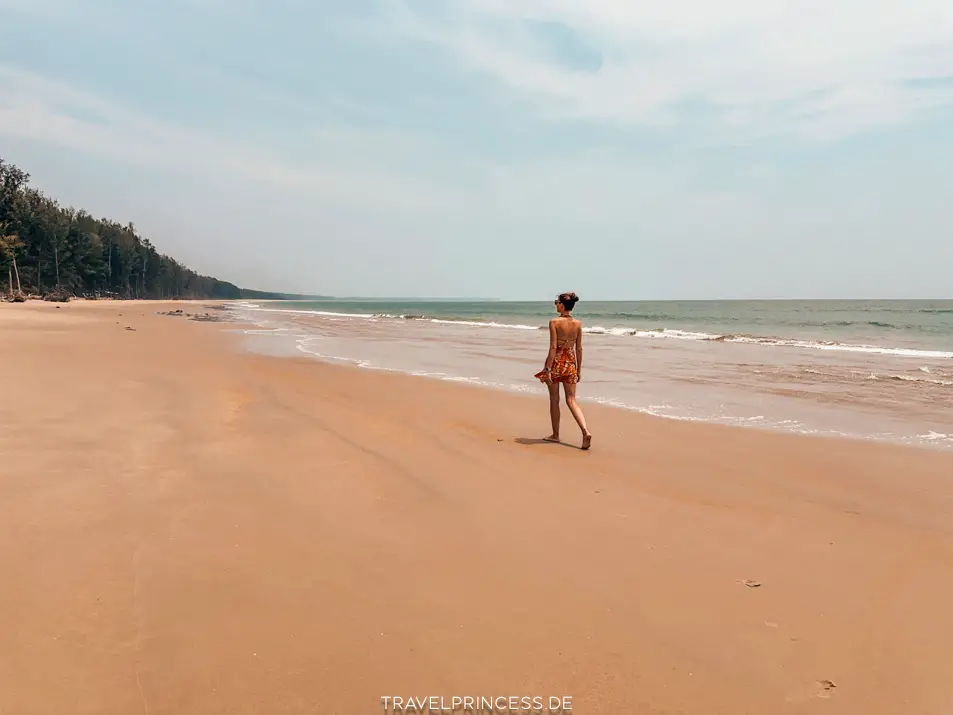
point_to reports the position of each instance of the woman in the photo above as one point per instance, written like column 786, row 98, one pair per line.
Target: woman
column 564, row 365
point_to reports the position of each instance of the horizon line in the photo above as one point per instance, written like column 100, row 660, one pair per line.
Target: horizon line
column 465, row 299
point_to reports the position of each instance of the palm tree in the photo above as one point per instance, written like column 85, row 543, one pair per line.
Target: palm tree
column 9, row 244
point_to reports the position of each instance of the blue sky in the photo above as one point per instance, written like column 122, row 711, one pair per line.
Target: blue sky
column 687, row 149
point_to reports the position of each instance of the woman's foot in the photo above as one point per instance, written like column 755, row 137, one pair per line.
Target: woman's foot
column 587, row 440
column 551, row 438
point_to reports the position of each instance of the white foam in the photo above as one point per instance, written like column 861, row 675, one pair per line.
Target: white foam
column 326, row 313
column 870, row 349
column 480, row 324
column 311, row 344
column 934, row 439
column 659, row 334
column 924, row 380
column 777, row 342
column 266, row 331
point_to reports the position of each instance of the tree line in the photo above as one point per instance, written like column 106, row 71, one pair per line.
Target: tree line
column 46, row 249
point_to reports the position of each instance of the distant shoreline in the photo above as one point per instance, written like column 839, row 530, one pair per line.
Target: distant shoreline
column 405, row 299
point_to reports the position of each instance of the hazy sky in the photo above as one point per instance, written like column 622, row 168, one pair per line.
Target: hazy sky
column 508, row 148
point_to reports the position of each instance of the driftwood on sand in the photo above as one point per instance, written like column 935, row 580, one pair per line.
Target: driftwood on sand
column 58, row 295
column 200, row 317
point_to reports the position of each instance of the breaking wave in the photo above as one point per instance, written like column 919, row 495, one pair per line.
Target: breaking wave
column 646, row 333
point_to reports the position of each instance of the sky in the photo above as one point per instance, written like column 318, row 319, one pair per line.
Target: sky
column 681, row 150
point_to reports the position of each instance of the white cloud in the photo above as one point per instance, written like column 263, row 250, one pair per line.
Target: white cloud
column 380, row 170
column 761, row 63
column 41, row 110
column 483, row 206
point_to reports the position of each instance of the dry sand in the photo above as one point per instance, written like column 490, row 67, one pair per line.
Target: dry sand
column 185, row 528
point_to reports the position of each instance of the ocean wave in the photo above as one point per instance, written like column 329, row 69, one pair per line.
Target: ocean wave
column 651, row 333
column 323, row 313
column 637, row 316
column 723, row 319
column 835, row 346
column 773, row 341
column 847, row 324
column 484, row 324
column 909, row 379
column 912, row 379
column 314, row 346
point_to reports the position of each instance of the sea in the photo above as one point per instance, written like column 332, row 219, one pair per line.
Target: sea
column 864, row 369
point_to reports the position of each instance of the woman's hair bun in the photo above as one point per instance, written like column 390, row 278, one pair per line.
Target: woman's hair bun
column 568, row 299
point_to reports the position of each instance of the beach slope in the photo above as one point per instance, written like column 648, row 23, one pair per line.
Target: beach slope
column 186, row 528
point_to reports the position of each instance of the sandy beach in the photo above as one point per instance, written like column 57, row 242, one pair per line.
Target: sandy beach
column 187, row 528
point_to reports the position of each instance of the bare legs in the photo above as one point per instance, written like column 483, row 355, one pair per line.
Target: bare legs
column 574, row 408
column 554, row 410
column 577, row 414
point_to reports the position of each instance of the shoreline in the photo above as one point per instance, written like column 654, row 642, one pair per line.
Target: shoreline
column 621, row 328
column 239, row 330
column 588, row 402
column 290, row 337
column 197, row 529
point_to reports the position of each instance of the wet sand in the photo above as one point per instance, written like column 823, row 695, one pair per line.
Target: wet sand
column 899, row 399
column 186, row 528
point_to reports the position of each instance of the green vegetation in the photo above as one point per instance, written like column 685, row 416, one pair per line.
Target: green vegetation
column 58, row 252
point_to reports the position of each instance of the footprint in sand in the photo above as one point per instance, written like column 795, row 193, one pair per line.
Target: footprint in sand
column 234, row 403
column 819, row 689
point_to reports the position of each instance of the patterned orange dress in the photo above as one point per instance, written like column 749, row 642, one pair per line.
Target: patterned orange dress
column 564, row 366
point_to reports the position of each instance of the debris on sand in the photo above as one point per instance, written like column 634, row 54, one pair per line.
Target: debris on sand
column 58, row 295
column 201, row 317
column 206, row 318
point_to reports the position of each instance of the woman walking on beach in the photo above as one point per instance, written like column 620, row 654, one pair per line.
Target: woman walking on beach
column 564, row 365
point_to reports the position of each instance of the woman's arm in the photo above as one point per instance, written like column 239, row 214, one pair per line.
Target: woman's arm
column 552, row 345
column 579, row 352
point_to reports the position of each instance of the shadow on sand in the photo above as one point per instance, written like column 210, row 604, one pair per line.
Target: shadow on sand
column 533, row 441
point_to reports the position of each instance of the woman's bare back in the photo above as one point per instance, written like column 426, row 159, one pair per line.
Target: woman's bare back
column 567, row 331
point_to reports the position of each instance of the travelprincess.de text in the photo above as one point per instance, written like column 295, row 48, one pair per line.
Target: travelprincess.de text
column 478, row 705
